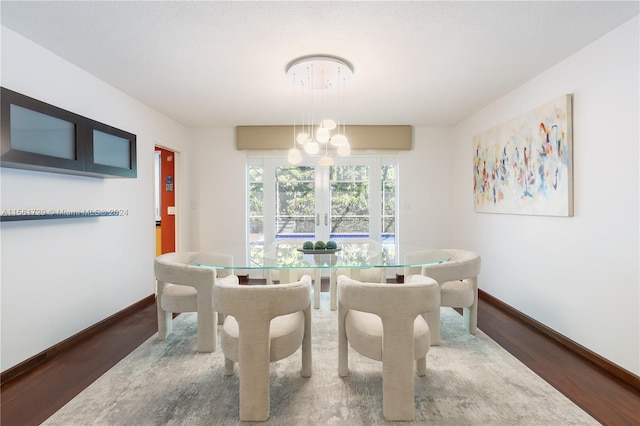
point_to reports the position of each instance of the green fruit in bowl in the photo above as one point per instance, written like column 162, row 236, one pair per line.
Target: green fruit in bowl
column 307, row 245
column 332, row 245
column 320, row 245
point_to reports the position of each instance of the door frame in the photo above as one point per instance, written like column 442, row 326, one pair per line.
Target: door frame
column 166, row 226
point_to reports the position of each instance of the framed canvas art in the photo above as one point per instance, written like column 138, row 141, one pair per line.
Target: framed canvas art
column 524, row 166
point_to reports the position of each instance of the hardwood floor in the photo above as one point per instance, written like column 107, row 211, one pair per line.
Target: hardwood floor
column 605, row 397
column 33, row 397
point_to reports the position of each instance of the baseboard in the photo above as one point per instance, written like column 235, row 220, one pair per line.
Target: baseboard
column 51, row 352
column 615, row 370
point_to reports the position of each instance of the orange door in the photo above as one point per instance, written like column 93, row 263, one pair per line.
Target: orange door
column 167, row 201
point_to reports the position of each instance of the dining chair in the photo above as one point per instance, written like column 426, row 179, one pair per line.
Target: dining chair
column 386, row 322
column 275, row 275
column 458, row 279
column 372, row 256
column 263, row 324
column 183, row 287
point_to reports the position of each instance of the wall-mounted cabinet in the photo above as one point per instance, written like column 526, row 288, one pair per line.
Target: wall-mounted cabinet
column 39, row 136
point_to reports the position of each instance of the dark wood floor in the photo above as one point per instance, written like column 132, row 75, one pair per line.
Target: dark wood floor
column 33, row 397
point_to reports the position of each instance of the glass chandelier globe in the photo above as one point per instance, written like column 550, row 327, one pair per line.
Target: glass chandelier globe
column 339, row 140
column 326, row 161
column 294, row 156
column 328, row 124
column 311, row 147
column 302, row 137
column 322, row 135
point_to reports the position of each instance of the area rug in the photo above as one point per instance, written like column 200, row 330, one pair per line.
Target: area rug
column 471, row 380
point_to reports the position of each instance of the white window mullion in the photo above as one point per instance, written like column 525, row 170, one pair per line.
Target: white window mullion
column 269, row 205
column 323, row 203
column 375, row 199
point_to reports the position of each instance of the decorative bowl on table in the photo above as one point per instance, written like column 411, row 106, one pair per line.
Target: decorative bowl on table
column 319, row 247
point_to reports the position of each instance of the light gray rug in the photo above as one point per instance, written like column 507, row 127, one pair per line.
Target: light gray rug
column 470, row 381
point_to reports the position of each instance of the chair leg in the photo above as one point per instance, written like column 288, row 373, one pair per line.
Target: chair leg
column 253, row 357
column 229, row 367
column 421, row 367
column 398, row 397
column 333, row 290
column 317, row 284
column 165, row 323
column 470, row 317
column 207, row 321
column 343, row 345
column 165, row 319
column 433, row 321
column 306, row 344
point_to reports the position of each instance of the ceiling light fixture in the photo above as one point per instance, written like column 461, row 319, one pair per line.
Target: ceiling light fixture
column 324, row 74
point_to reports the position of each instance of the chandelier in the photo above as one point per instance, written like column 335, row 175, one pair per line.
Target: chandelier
column 320, row 77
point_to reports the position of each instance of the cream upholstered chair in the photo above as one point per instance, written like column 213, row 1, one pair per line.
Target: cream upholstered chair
column 315, row 273
column 458, row 279
column 372, row 256
column 386, row 322
column 263, row 324
column 216, row 258
column 368, row 275
column 183, row 287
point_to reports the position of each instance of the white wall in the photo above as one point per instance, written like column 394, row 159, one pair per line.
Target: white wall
column 576, row 275
column 61, row 276
column 424, row 189
column 218, row 204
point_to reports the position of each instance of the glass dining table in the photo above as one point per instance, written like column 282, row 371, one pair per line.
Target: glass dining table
column 288, row 258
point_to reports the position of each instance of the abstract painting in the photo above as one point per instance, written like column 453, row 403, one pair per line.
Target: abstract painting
column 524, row 166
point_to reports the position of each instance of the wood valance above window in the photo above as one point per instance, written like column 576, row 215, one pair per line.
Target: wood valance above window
column 263, row 138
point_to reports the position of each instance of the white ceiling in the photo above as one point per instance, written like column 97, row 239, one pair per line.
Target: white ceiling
column 223, row 63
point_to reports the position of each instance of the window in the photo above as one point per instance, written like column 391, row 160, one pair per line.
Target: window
column 310, row 202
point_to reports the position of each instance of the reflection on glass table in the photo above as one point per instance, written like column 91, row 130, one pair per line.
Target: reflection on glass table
column 357, row 259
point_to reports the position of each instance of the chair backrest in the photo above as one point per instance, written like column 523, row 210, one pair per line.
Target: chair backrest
column 175, row 268
column 261, row 302
column 284, row 247
column 374, row 251
column 373, row 248
column 375, row 275
column 418, row 257
column 218, row 259
column 406, row 300
column 463, row 264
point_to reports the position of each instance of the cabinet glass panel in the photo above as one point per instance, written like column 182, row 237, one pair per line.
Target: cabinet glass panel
column 110, row 150
column 43, row 134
